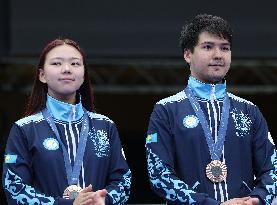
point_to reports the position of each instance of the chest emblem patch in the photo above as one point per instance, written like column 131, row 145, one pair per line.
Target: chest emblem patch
column 190, row 121
column 242, row 122
column 51, row 144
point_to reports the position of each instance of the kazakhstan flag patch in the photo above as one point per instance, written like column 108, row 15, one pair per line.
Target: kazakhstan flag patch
column 152, row 138
column 10, row 158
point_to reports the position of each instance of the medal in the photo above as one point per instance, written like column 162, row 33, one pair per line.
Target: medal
column 71, row 192
column 216, row 171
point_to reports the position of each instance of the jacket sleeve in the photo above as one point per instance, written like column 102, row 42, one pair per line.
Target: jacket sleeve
column 17, row 173
column 119, row 176
column 265, row 161
column 160, row 163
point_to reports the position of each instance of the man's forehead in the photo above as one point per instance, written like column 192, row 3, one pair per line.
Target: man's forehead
column 206, row 37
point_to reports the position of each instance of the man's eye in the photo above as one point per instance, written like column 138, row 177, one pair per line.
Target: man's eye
column 207, row 47
column 226, row 48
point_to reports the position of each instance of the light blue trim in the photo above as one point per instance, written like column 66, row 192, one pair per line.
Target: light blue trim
column 195, row 185
column 64, row 111
column 97, row 116
column 22, row 193
column 271, row 188
column 174, row 98
column 203, row 90
column 121, row 194
column 32, row 118
column 164, row 181
column 239, row 99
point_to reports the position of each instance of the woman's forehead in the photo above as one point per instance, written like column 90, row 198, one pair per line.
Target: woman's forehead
column 64, row 51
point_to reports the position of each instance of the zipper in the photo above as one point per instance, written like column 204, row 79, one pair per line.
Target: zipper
column 213, row 97
column 72, row 118
column 213, row 93
column 74, row 112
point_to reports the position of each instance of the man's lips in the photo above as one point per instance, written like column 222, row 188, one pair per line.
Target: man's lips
column 66, row 79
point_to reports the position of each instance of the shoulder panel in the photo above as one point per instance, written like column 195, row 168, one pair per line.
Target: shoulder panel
column 32, row 118
column 239, row 99
column 97, row 116
column 174, row 98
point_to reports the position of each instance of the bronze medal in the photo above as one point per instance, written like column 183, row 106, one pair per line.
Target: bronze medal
column 71, row 192
column 216, row 171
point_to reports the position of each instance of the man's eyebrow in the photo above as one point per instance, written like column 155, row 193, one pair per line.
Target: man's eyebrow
column 210, row 42
column 207, row 42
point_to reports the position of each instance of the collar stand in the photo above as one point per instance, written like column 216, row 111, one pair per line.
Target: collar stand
column 64, row 111
column 207, row 91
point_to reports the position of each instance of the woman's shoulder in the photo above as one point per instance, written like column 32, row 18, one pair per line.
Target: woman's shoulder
column 35, row 118
column 97, row 116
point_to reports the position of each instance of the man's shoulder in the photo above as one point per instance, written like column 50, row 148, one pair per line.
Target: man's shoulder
column 240, row 100
column 178, row 97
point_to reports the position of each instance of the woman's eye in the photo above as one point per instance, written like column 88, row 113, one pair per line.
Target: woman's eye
column 56, row 63
column 76, row 63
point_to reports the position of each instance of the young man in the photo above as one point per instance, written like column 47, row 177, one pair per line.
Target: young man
column 205, row 145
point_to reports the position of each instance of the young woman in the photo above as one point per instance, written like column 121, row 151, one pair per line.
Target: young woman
column 62, row 152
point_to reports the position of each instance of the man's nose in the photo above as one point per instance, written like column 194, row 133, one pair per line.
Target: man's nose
column 218, row 52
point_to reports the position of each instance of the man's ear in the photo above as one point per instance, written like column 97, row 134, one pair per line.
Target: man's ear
column 42, row 76
column 187, row 55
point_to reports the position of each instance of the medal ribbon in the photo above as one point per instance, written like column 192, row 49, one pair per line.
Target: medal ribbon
column 214, row 148
column 71, row 172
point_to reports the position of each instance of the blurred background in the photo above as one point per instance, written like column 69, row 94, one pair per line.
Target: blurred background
column 134, row 60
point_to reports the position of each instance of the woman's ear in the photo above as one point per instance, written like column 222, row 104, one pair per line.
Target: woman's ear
column 42, row 76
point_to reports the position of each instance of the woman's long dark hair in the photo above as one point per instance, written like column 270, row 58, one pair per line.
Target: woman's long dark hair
column 37, row 100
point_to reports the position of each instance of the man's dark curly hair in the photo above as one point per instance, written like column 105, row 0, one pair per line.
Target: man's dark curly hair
column 204, row 23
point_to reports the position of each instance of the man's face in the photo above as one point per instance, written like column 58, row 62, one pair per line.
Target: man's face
column 211, row 58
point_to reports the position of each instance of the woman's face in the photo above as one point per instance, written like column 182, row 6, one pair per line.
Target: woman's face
column 63, row 72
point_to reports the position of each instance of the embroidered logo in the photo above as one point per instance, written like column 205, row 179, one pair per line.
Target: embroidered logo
column 242, row 122
column 100, row 142
column 151, row 138
column 51, row 144
column 190, row 121
column 10, row 158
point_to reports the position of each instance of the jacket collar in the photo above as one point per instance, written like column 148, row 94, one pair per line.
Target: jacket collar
column 207, row 91
column 64, row 111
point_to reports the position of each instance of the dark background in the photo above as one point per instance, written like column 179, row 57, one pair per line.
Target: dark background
column 132, row 28
column 134, row 59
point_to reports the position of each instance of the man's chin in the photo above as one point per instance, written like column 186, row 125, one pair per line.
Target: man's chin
column 216, row 79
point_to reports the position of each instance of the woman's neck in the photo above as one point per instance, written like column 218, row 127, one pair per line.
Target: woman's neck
column 67, row 99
